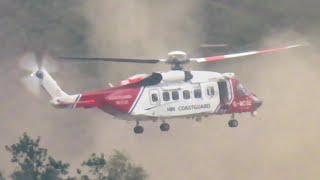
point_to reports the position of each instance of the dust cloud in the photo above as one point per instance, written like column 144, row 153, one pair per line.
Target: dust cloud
column 284, row 143
column 281, row 143
column 145, row 29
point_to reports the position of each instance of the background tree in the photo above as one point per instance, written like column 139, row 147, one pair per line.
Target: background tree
column 97, row 166
column 118, row 167
column 34, row 162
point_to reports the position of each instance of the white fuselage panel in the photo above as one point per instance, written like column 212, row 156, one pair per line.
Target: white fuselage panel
column 200, row 95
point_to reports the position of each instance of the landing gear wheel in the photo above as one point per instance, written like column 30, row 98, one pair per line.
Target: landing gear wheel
column 164, row 127
column 138, row 129
column 233, row 123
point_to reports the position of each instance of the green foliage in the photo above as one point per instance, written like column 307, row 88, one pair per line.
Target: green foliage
column 33, row 161
column 118, row 167
column 97, row 165
column 35, row 164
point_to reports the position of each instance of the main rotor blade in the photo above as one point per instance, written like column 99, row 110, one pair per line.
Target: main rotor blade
column 122, row 60
column 28, row 62
column 48, row 64
column 228, row 56
column 32, row 84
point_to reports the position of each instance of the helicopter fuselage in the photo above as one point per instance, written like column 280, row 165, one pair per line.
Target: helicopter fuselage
column 203, row 94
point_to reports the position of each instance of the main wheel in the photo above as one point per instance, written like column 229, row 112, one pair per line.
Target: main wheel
column 164, row 127
column 138, row 129
column 233, row 123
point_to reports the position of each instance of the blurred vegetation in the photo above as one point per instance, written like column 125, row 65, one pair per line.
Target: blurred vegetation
column 33, row 163
column 117, row 167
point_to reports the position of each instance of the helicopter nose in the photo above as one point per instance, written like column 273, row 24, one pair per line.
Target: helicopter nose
column 257, row 103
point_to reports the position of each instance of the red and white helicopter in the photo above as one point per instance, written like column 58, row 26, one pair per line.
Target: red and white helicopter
column 161, row 95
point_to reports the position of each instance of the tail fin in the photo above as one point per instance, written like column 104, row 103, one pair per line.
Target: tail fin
column 49, row 84
column 60, row 99
column 40, row 78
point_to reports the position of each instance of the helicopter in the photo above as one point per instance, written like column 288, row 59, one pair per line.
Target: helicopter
column 160, row 96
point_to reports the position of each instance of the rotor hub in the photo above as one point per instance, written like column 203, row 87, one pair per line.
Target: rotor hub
column 177, row 59
column 39, row 74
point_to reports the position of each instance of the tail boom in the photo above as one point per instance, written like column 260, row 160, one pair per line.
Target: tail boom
column 68, row 101
column 60, row 99
column 49, row 84
column 73, row 101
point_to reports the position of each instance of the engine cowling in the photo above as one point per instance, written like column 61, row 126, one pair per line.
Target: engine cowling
column 133, row 79
column 172, row 76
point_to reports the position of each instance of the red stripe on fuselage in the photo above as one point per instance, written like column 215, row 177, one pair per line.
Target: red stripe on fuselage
column 119, row 98
column 123, row 99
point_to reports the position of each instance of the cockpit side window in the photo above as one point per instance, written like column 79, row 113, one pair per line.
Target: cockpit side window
column 210, row 91
column 242, row 91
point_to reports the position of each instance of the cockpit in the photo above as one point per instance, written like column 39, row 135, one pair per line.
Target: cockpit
column 236, row 98
column 241, row 90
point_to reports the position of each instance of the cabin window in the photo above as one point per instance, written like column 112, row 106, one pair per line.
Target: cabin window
column 154, row 97
column 210, row 91
column 175, row 95
column 197, row 93
column 186, row 94
column 166, row 96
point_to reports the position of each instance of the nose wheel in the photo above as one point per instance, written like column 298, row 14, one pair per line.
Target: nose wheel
column 233, row 123
column 138, row 129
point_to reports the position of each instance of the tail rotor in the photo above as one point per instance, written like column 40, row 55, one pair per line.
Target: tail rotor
column 35, row 66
